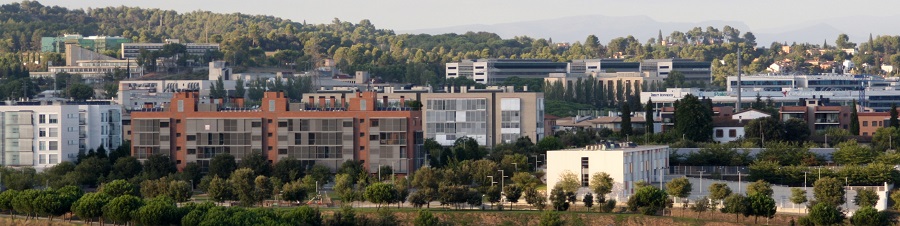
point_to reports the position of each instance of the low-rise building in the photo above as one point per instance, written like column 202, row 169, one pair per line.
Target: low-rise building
column 819, row 114
column 133, row 50
column 41, row 134
column 625, row 163
column 731, row 128
column 870, row 122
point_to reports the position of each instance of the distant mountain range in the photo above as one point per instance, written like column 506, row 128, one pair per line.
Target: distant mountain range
column 577, row 28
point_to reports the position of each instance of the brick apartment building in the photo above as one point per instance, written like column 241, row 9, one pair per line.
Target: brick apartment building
column 326, row 133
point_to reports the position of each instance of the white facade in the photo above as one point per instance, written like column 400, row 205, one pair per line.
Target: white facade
column 625, row 165
column 158, row 93
column 42, row 136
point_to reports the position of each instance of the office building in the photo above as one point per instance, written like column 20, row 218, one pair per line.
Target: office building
column 603, row 66
column 492, row 71
column 41, row 134
column 625, row 163
column 317, row 132
column 133, row 50
column 139, row 94
column 92, row 43
column 699, row 72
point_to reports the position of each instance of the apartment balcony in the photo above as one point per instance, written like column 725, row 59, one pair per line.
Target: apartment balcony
column 81, row 122
column 82, row 135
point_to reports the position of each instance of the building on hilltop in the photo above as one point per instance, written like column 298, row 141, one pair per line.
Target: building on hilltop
column 41, row 134
column 133, row 50
column 92, row 43
column 625, row 163
column 325, row 133
column 494, row 71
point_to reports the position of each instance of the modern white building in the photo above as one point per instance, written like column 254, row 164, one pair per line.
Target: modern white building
column 133, row 50
column 625, row 163
column 728, row 129
column 41, row 134
column 140, row 94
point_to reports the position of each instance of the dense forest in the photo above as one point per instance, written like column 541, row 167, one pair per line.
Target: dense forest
column 405, row 58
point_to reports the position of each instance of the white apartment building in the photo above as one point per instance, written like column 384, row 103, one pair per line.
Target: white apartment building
column 624, row 164
column 41, row 134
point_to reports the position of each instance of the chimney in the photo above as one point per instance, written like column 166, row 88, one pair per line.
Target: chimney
column 312, row 101
column 385, row 101
column 332, row 102
column 402, row 101
column 342, row 101
column 321, row 102
column 525, row 88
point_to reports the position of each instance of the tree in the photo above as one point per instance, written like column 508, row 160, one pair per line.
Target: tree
column 262, row 189
column 869, row 216
column 158, row 211
column 219, row 190
column 893, row 121
column 843, row 42
column 50, row 204
column 179, row 191
column 701, row 205
column 89, row 171
column 120, row 209
column 80, row 92
column 601, row 184
column 798, row 196
column 242, row 184
column 551, row 218
column 588, row 200
column 648, row 117
column 736, row 204
column 288, row 169
column 648, row 199
column 304, row 215
column 118, row 188
column 425, row 218
column 796, row 130
column 829, row 190
column 513, row 192
column 626, row 119
column 125, row 168
column 865, row 198
column 558, row 198
column 90, row 205
column 257, row 162
column 320, row 173
column 568, row 182
column 222, row 165
column 759, row 187
column 343, row 187
column 294, row 191
column 380, row 193
column 765, row 129
column 158, row 166
column 6, row 200
column 761, row 205
column 679, row 187
column 718, row 192
column 826, row 214
column 534, row 198
column 854, row 120
column 239, row 89
column 693, row 118
column 851, row 153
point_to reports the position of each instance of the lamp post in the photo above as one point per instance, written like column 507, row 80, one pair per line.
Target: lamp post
column 740, row 183
column 517, row 166
column 846, row 181
column 502, row 177
column 701, row 181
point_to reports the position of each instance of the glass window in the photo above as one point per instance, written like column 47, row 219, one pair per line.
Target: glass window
column 54, row 132
column 54, row 145
column 54, row 159
column 43, row 159
column 54, row 118
column 42, row 119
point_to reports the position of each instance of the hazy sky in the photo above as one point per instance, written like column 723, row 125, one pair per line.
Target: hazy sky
column 419, row 14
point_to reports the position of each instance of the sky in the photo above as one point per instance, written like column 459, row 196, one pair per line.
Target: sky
column 402, row 15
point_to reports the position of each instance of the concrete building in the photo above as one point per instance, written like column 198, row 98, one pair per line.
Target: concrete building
column 491, row 71
column 731, row 128
column 819, row 114
column 870, row 122
column 693, row 71
column 133, row 50
column 157, row 94
column 41, row 134
column 609, row 80
column 603, row 66
column 92, row 66
column 325, row 133
column 876, row 98
column 625, row 163
column 92, row 43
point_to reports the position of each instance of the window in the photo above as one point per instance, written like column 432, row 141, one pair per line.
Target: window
column 348, row 123
column 191, row 137
column 191, row 151
column 719, row 133
column 54, row 118
column 732, row 133
column 865, row 134
column 54, row 132
column 42, row 146
column 585, row 180
column 866, row 123
column 43, row 159
column 163, row 124
column 54, row 145
column 584, row 162
column 256, row 124
column 54, row 159
column 374, row 122
column 282, row 151
column 283, row 124
column 362, row 148
column 42, row 119
column 43, row 132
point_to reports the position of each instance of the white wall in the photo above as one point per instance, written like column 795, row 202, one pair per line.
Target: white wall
column 640, row 163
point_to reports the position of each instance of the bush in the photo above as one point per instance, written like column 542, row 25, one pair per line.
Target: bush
column 869, row 216
column 649, row 200
column 425, row 218
column 551, row 218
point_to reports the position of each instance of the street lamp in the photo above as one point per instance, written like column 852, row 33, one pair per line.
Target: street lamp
column 701, row 181
column 517, row 166
column 502, row 177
